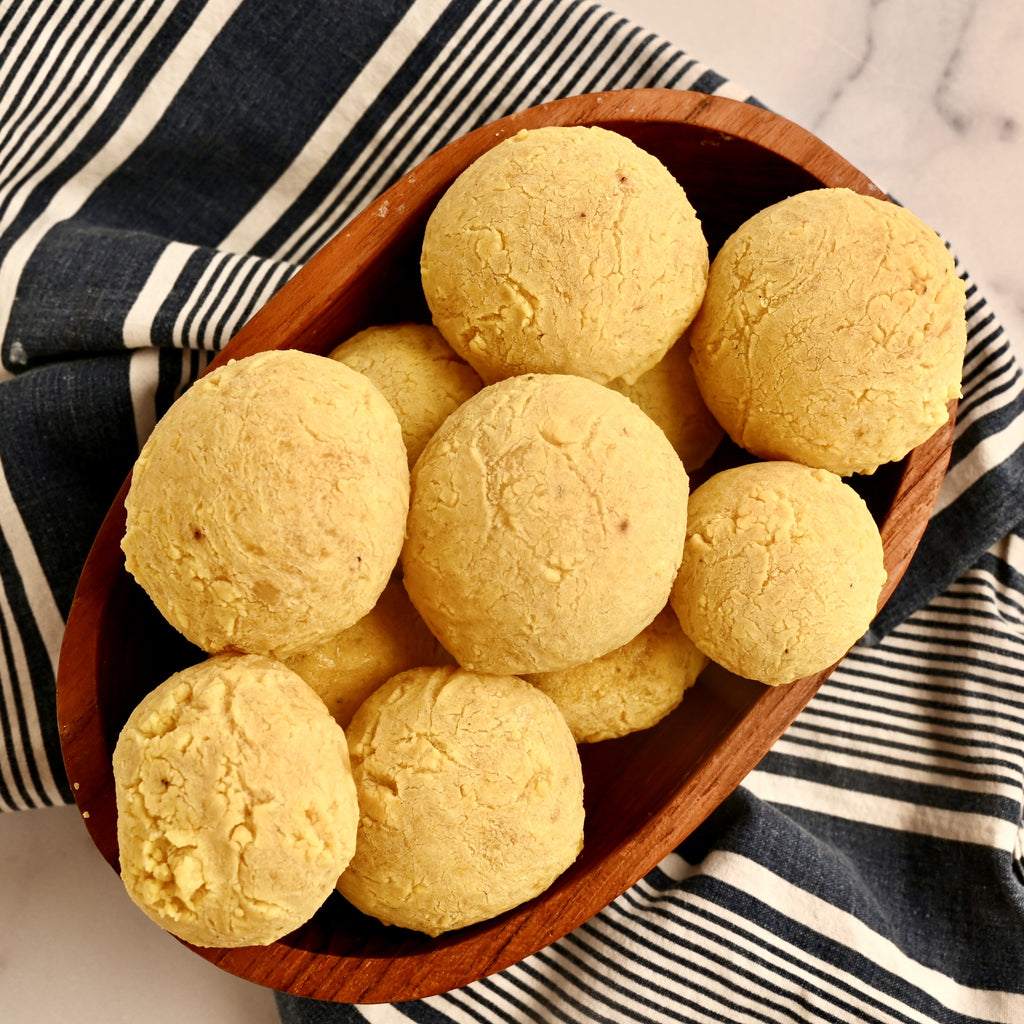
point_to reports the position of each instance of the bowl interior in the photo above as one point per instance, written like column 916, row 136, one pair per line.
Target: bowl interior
column 645, row 792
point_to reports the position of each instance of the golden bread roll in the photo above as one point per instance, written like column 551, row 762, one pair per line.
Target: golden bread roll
column 668, row 393
column 416, row 370
column 471, row 799
column 546, row 525
column 782, row 570
column 564, row 250
column 267, row 509
column 633, row 687
column 347, row 667
column 832, row 333
column 236, row 808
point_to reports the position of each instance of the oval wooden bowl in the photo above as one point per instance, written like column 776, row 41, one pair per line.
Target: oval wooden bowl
column 644, row 793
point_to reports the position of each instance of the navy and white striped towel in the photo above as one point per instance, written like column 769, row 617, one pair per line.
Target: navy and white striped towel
column 165, row 165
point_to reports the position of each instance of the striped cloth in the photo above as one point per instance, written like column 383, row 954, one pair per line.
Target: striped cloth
column 165, row 165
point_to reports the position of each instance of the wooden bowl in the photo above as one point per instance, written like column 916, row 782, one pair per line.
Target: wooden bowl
column 645, row 792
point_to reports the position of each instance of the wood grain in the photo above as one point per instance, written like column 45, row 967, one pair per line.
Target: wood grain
column 645, row 792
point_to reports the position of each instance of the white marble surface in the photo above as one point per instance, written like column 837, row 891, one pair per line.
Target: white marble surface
column 924, row 96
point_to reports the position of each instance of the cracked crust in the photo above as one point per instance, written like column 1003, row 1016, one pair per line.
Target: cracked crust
column 782, row 570
column 236, row 808
column 471, row 798
column 832, row 333
column 564, row 250
column 267, row 509
column 546, row 525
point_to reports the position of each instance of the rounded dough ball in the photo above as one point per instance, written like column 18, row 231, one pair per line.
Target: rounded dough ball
column 832, row 332
column 546, row 525
column 782, row 570
column 471, row 797
column 236, row 807
column 631, row 688
column 267, row 509
column 416, row 370
column 668, row 393
column 346, row 668
column 564, row 250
